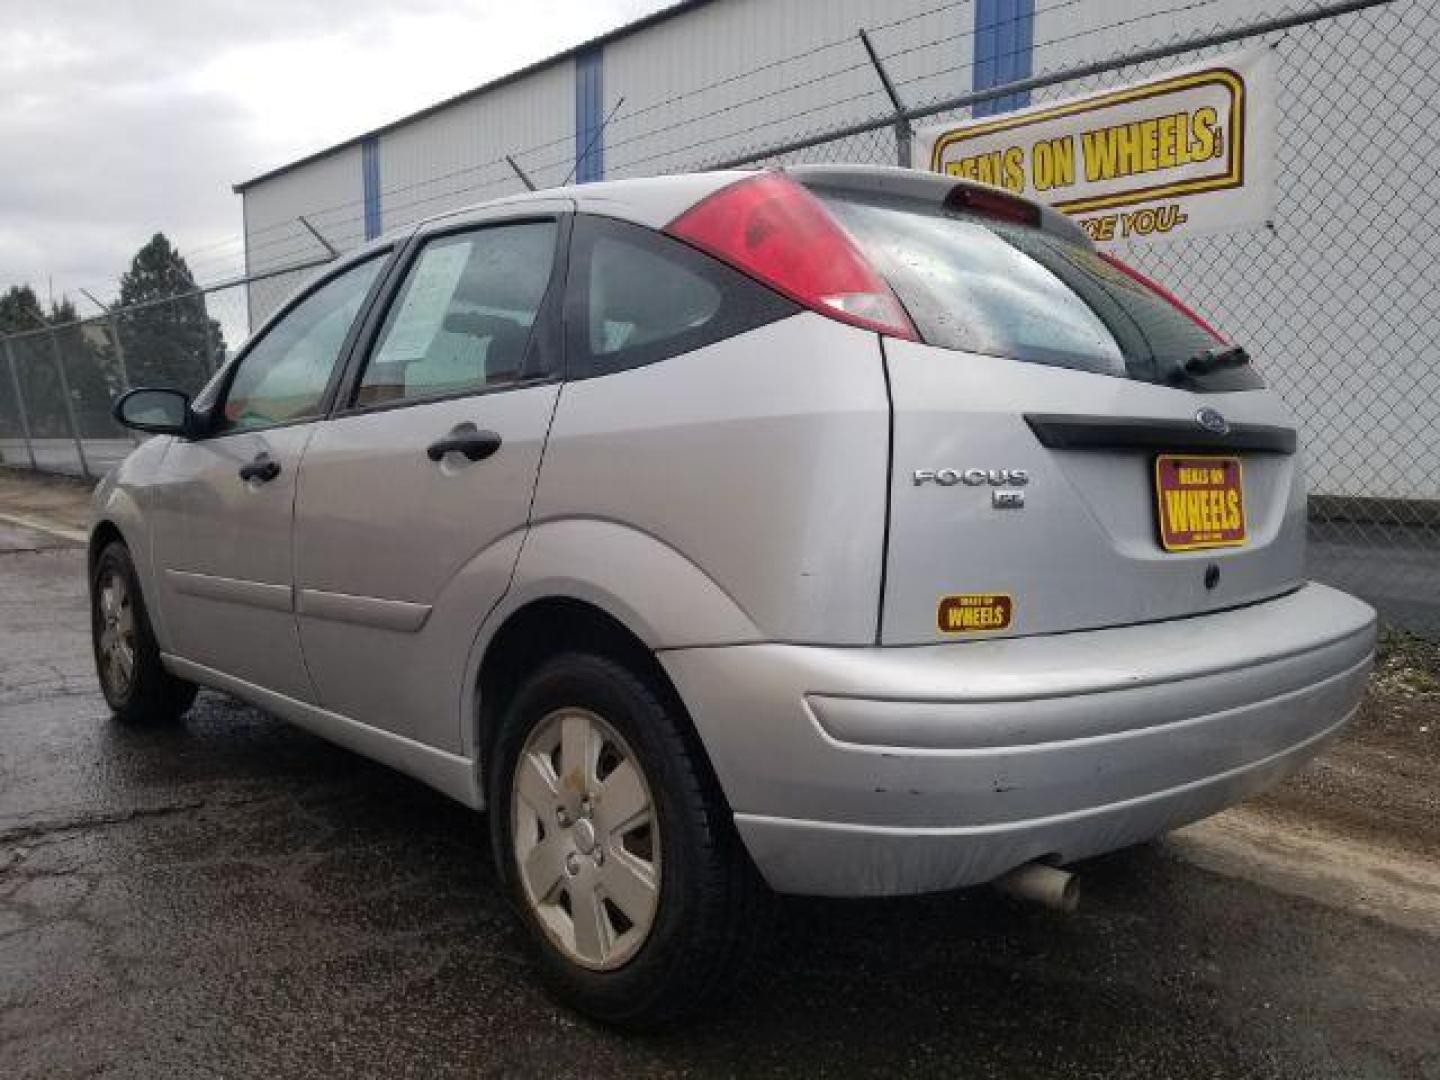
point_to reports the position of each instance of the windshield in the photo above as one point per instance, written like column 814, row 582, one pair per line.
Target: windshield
column 985, row 286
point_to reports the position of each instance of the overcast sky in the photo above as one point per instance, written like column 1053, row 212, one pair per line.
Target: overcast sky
column 119, row 118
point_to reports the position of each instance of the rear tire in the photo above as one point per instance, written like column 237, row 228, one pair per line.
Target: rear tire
column 135, row 683
column 680, row 924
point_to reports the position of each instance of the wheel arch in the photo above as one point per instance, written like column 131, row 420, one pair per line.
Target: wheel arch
column 102, row 534
column 119, row 519
column 550, row 626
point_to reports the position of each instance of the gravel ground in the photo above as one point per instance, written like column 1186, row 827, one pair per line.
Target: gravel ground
column 1383, row 778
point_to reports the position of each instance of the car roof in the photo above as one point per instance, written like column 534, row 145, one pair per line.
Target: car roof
column 655, row 201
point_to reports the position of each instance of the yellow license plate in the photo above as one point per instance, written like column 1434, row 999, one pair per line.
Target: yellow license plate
column 1200, row 501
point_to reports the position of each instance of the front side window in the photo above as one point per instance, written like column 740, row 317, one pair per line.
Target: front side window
column 283, row 377
column 461, row 322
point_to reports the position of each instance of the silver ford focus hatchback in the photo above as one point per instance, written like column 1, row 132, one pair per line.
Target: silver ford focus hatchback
column 842, row 531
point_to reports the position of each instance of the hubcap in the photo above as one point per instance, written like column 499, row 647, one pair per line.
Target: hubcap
column 586, row 839
column 116, row 642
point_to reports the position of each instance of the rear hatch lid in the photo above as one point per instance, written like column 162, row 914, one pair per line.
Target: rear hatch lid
column 1072, row 447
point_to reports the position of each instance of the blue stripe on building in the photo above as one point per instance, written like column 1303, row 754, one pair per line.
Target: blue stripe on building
column 1004, row 48
column 370, row 177
column 589, row 116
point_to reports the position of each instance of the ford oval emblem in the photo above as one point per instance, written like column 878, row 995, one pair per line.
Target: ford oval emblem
column 1211, row 420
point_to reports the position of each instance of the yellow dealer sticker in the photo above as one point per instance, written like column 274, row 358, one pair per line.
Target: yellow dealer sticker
column 969, row 613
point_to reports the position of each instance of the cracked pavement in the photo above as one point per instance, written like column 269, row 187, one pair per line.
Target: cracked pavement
column 236, row 898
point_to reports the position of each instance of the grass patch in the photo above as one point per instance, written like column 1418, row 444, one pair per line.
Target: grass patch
column 1407, row 666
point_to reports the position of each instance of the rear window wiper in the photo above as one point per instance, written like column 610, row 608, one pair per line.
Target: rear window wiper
column 1208, row 360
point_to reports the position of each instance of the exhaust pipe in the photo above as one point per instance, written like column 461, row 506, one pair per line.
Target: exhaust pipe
column 1048, row 886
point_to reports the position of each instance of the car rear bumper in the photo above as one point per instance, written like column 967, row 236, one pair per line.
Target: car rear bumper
column 879, row 771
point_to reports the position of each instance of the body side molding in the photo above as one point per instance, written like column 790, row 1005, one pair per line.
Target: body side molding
column 399, row 615
column 259, row 594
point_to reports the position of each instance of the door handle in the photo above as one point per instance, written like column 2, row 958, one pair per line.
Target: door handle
column 264, row 469
column 465, row 439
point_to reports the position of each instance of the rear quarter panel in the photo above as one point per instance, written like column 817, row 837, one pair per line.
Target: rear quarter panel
column 761, row 460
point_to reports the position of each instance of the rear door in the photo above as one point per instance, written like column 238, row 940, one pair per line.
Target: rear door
column 1072, row 448
column 414, row 496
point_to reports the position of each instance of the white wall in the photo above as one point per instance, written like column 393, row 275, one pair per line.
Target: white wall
column 1337, row 301
column 685, row 106
column 454, row 157
column 328, row 191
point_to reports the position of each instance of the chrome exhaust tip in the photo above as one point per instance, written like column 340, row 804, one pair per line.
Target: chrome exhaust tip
column 1040, row 884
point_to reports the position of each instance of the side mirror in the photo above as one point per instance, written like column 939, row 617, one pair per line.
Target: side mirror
column 159, row 412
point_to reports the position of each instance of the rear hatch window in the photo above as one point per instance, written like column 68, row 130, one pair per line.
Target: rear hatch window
column 982, row 285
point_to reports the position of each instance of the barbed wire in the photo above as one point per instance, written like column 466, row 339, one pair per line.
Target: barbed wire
column 295, row 240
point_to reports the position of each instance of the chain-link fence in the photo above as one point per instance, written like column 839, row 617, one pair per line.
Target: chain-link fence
column 1336, row 299
column 58, row 383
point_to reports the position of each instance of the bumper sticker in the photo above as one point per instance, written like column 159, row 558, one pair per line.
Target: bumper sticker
column 969, row 613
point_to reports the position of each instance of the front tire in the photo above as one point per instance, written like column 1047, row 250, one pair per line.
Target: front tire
column 616, row 848
column 135, row 683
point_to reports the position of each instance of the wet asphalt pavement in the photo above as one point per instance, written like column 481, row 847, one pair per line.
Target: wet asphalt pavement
column 237, row 898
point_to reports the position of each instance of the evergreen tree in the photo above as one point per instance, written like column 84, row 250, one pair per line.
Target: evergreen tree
column 91, row 372
column 20, row 310
column 172, row 342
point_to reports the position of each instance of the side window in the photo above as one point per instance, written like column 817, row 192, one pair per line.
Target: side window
column 461, row 321
column 637, row 296
column 284, row 375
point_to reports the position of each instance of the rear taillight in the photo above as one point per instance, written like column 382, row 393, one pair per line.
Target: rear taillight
column 1164, row 294
column 772, row 229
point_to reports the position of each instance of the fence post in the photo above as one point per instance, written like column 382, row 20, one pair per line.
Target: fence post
column 69, row 406
column 119, row 351
column 114, row 325
column 212, row 362
column 20, row 403
column 903, row 131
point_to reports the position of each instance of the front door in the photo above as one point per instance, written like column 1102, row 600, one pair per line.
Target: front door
column 415, row 494
column 224, row 504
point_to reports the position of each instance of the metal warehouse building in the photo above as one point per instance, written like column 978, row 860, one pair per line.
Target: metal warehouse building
column 698, row 82
column 1331, row 298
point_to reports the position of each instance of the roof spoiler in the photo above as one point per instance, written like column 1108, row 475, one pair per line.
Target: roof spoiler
column 939, row 190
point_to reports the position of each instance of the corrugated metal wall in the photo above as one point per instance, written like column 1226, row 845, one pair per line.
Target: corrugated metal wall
column 455, row 157
column 329, row 192
column 1338, row 165
column 710, row 82
column 742, row 74
column 733, row 76
column 713, row 82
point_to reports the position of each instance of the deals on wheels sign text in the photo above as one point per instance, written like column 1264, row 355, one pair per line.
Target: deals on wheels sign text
column 1185, row 153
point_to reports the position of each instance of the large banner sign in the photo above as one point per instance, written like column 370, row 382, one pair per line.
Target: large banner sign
column 1185, row 153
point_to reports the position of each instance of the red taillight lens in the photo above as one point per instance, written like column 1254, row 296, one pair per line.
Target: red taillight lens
column 771, row 228
column 1164, row 294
